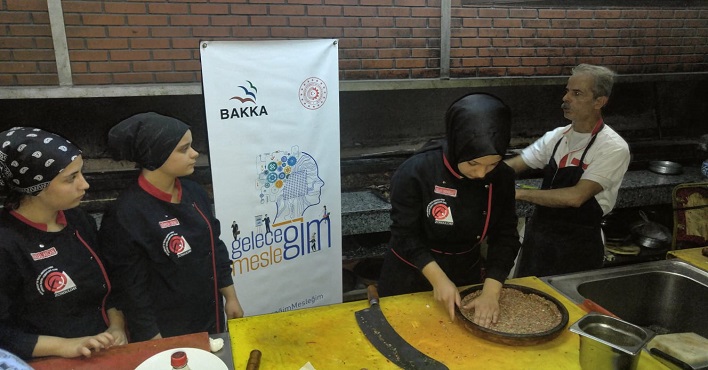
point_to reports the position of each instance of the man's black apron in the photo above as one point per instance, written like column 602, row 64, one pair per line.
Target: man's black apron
column 563, row 240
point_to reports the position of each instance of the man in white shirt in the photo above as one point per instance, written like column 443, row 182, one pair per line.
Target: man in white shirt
column 583, row 165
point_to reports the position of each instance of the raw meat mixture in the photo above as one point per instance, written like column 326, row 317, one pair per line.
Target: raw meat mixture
column 520, row 313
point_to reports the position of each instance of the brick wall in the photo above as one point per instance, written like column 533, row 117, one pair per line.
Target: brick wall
column 153, row 42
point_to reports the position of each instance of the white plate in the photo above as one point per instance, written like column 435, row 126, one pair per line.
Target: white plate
column 198, row 360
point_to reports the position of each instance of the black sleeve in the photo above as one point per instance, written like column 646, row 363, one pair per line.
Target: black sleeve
column 128, row 268
column 12, row 338
column 407, row 212
column 503, row 239
column 221, row 252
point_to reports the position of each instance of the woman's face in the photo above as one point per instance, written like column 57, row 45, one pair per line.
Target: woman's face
column 479, row 167
column 66, row 189
column 183, row 158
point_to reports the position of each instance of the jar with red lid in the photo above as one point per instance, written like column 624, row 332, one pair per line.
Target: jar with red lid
column 179, row 361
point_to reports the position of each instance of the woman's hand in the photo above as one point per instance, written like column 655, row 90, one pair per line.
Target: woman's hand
column 87, row 345
column 444, row 290
column 233, row 309
column 232, row 306
column 72, row 347
column 486, row 306
column 117, row 327
column 446, row 293
column 119, row 336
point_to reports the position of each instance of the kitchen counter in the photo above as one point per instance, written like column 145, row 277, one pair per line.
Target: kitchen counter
column 328, row 337
column 366, row 212
column 692, row 256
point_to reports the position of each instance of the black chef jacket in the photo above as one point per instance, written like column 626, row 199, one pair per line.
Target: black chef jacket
column 166, row 261
column 438, row 216
column 51, row 283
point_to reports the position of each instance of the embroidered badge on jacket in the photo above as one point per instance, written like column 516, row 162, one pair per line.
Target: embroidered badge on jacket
column 169, row 223
column 52, row 280
column 445, row 191
column 175, row 244
column 51, row 252
column 440, row 211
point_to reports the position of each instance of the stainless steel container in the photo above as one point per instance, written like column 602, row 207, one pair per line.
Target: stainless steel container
column 665, row 167
column 609, row 343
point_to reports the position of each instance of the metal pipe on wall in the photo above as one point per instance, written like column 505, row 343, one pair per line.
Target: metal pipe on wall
column 61, row 49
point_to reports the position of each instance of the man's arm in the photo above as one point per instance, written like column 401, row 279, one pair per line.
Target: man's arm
column 573, row 196
column 517, row 164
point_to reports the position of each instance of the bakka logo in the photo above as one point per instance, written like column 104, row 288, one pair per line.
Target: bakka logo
column 440, row 212
column 249, row 107
column 176, row 244
column 51, row 280
column 249, row 94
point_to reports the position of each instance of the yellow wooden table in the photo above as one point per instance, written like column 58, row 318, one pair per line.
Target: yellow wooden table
column 329, row 338
column 692, row 256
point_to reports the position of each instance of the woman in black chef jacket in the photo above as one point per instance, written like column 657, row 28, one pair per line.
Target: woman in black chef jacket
column 445, row 200
column 161, row 239
column 53, row 286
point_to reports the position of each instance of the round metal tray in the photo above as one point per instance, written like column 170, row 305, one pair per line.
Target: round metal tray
column 515, row 339
column 665, row 167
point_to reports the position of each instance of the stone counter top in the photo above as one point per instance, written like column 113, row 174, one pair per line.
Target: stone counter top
column 366, row 212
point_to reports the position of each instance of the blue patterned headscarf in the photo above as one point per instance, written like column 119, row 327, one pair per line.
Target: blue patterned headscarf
column 30, row 158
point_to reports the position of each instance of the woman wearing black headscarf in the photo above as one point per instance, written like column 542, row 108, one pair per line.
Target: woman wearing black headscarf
column 445, row 200
column 160, row 238
column 53, row 286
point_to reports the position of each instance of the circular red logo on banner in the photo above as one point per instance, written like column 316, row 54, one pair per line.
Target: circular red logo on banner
column 440, row 211
column 313, row 93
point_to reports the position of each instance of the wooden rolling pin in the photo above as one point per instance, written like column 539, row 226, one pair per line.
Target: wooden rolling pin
column 254, row 360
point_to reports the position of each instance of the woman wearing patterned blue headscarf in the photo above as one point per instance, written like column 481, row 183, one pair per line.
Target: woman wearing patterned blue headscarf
column 52, row 281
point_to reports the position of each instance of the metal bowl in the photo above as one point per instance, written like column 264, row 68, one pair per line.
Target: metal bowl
column 665, row 167
column 515, row 339
column 651, row 234
column 609, row 343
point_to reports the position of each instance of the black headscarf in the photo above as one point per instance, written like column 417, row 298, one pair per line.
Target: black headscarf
column 30, row 158
column 146, row 138
column 477, row 125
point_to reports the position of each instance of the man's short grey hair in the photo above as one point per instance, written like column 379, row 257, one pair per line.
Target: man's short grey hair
column 604, row 78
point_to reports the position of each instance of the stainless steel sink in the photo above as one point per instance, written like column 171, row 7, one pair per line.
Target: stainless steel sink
column 668, row 296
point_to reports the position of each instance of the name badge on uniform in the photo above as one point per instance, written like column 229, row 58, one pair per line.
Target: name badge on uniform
column 445, row 191
column 169, row 223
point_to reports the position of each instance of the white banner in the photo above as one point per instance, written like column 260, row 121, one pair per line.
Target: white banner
column 272, row 112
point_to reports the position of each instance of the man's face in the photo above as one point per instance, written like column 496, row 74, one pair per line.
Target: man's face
column 579, row 104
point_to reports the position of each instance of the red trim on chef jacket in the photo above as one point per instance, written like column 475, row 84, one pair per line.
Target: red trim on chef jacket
column 157, row 193
column 489, row 213
column 213, row 267
column 403, row 259
column 449, row 168
column 61, row 220
column 105, row 278
column 575, row 161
